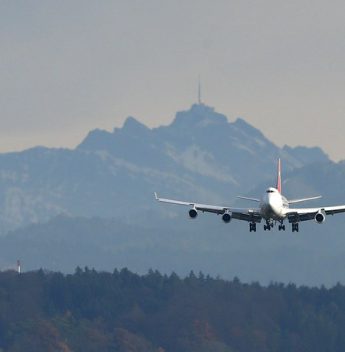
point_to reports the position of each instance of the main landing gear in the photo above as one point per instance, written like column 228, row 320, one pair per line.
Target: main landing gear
column 281, row 226
column 268, row 226
column 295, row 227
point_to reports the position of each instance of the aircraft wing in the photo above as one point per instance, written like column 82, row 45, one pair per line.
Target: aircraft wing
column 304, row 214
column 245, row 214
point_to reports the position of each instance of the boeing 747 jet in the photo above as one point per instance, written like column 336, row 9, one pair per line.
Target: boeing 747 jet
column 273, row 208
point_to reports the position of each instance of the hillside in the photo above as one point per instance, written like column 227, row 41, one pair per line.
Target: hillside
column 125, row 312
column 314, row 256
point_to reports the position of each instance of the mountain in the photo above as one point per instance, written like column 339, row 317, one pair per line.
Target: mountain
column 94, row 205
column 200, row 155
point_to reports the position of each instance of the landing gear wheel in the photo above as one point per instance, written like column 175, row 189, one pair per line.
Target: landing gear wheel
column 268, row 226
column 281, row 227
column 295, row 227
column 252, row 227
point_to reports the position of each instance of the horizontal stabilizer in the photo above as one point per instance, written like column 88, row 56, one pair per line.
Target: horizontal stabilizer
column 248, row 198
column 293, row 201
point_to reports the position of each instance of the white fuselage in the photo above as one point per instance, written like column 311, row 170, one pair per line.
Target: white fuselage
column 273, row 205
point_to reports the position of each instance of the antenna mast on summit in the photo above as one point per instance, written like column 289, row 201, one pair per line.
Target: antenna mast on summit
column 199, row 91
column 18, row 266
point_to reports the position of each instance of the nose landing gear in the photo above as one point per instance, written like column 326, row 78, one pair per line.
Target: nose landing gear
column 252, row 227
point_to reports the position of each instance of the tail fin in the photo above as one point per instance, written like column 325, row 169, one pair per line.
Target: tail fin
column 279, row 177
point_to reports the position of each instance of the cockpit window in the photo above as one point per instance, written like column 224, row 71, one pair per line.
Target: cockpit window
column 270, row 191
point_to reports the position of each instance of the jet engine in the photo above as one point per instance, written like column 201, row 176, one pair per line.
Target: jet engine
column 226, row 217
column 320, row 216
column 193, row 213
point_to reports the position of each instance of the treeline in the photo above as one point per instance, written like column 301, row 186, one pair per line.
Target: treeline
column 123, row 311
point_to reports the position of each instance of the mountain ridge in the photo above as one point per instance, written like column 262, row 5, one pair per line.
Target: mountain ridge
column 199, row 155
column 94, row 205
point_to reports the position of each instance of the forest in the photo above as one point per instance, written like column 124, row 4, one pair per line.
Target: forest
column 123, row 311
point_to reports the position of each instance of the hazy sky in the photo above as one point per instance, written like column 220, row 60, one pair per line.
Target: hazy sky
column 67, row 67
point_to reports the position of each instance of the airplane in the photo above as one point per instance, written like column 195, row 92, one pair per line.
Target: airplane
column 273, row 208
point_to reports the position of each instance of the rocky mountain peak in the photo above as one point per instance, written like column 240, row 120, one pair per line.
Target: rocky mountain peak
column 198, row 116
column 132, row 125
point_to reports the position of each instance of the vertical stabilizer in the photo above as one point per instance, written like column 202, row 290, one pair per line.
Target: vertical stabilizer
column 279, row 177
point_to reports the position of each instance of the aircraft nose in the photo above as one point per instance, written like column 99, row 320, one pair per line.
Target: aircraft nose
column 271, row 203
column 274, row 205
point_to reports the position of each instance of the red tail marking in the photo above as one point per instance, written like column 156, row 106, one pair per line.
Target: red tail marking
column 279, row 178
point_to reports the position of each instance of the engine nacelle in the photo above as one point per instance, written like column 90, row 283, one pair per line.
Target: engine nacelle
column 226, row 217
column 320, row 216
column 193, row 213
